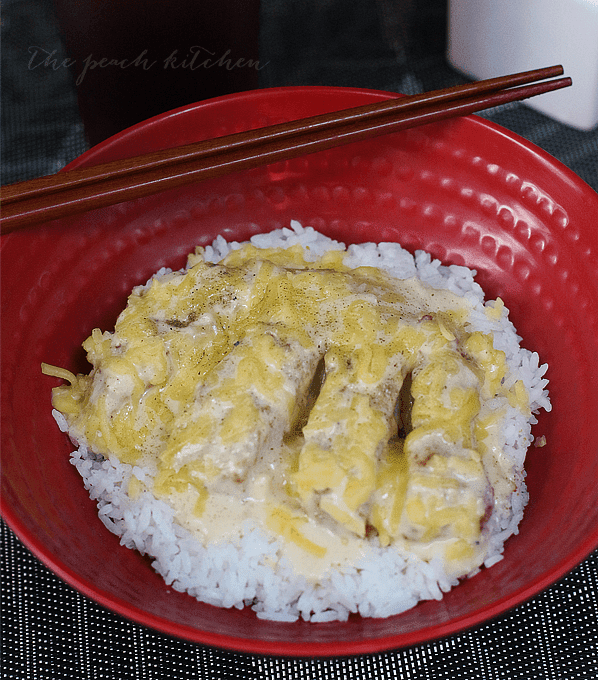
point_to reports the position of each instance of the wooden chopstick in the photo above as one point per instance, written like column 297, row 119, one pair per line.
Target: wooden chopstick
column 79, row 190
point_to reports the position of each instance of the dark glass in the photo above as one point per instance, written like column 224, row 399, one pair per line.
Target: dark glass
column 137, row 58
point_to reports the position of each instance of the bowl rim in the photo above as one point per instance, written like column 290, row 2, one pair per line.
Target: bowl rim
column 280, row 91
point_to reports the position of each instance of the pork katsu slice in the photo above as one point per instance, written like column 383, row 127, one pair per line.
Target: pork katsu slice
column 348, row 427
column 243, row 408
column 447, row 491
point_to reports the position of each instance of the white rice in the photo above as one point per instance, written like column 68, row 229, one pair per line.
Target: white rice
column 240, row 573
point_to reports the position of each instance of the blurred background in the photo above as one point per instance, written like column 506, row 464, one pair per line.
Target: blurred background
column 52, row 51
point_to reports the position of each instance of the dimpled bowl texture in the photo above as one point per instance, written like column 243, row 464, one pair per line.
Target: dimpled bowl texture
column 466, row 190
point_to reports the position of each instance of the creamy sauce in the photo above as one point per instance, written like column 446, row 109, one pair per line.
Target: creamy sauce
column 339, row 409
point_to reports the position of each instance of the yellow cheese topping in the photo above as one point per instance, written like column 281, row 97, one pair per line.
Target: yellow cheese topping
column 335, row 406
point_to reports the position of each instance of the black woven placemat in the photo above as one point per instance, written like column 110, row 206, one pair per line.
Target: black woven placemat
column 50, row 631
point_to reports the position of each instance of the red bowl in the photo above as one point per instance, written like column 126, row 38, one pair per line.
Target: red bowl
column 466, row 190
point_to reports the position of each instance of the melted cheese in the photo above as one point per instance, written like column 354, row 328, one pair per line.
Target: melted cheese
column 208, row 380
